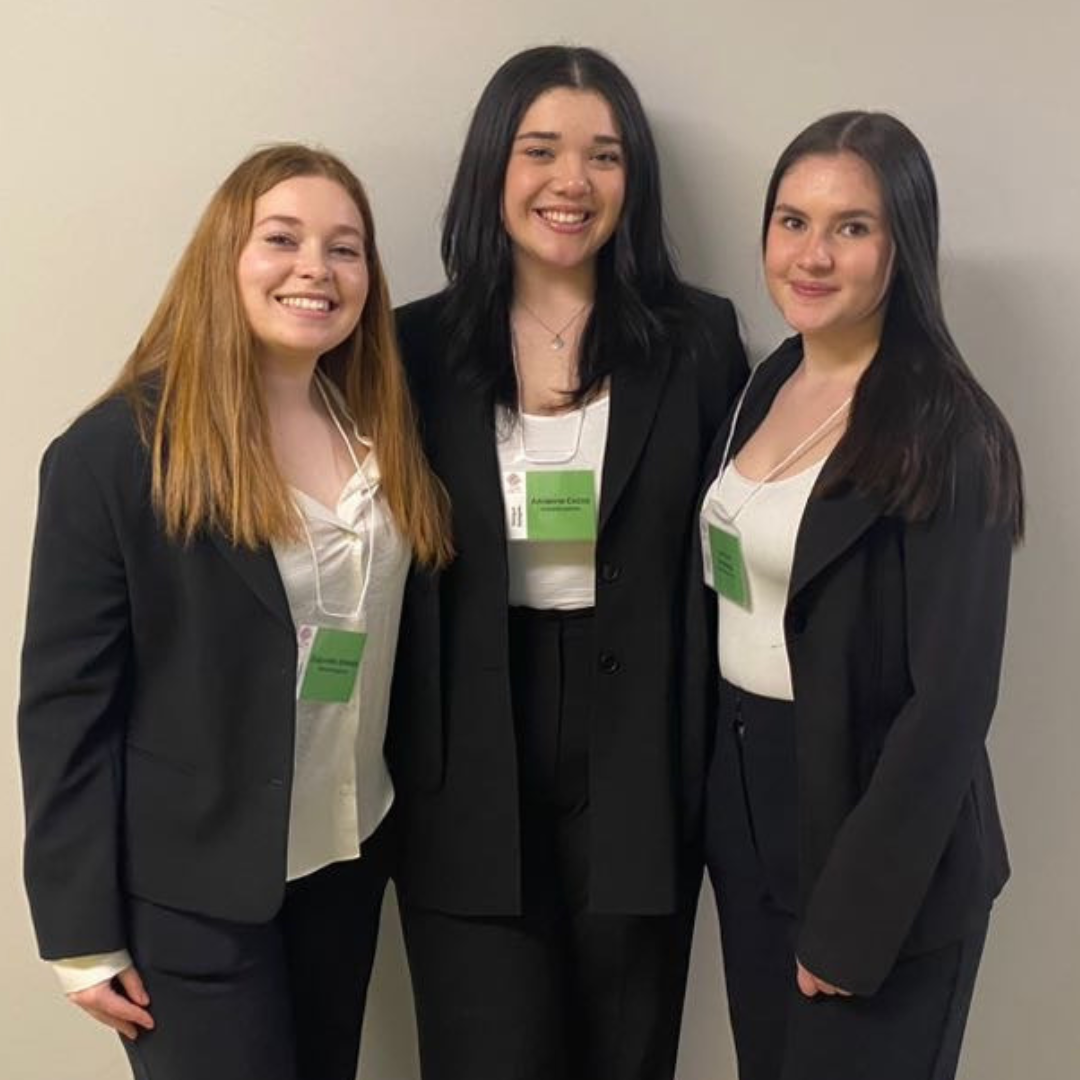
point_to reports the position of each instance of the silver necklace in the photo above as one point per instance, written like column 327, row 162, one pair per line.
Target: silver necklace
column 557, row 340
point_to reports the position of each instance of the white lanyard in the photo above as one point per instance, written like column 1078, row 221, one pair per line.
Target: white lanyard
column 814, row 437
column 553, row 457
column 371, row 522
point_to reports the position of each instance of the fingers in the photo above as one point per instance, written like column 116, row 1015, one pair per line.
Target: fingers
column 132, row 985
column 808, row 986
column 122, row 1011
column 129, row 1031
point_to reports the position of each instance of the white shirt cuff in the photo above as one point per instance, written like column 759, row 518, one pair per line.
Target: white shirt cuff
column 80, row 972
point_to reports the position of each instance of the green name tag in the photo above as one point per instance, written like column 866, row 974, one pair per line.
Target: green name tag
column 560, row 505
column 729, row 569
column 332, row 664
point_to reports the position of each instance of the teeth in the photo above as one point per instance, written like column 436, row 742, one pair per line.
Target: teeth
column 304, row 302
column 562, row 217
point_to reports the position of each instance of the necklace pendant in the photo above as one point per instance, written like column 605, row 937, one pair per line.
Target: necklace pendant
column 557, row 342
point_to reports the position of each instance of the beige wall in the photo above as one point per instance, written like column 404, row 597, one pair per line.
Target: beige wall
column 118, row 118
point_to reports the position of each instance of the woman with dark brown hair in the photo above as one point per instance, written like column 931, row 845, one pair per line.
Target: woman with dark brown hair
column 220, row 554
column 550, row 762
column 862, row 507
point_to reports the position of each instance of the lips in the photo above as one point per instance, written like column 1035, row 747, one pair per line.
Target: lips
column 564, row 220
column 810, row 290
column 318, row 304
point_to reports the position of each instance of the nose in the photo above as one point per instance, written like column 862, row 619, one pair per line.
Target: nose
column 311, row 263
column 815, row 253
column 573, row 179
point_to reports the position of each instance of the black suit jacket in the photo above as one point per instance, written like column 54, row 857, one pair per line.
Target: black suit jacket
column 452, row 743
column 895, row 634
column 156, row 718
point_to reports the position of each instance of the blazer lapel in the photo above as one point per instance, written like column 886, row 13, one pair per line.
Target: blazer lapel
column 470, row 445
column 635, row 396
column 260, row 573
column 830, row 525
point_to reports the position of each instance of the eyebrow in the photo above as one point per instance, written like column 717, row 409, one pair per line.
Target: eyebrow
column 787, row 208
column 554, row 136
column 294, row 222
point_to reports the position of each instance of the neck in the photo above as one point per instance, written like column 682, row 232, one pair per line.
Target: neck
column 287, row 382
column 842, row 355
column 553, row 290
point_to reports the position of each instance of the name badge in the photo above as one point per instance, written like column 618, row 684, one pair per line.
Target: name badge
column 329, row 663
column 724, row 558
column 555, row 504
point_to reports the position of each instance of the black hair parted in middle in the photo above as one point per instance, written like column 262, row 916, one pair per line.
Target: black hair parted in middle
column 635, row 274
column 918, row 397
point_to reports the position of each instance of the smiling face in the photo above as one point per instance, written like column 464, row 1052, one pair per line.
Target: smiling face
column 302, row 274
column 828, row 249
column 565, row 181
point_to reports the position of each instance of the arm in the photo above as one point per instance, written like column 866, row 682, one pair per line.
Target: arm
column 883, row 858
column 71, row 713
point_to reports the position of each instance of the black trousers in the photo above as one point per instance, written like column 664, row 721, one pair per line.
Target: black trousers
column 559, row 992
column 911, row 1029
column 282, row 1000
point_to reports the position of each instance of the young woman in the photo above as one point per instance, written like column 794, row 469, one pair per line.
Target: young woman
column 550, row 775
column 221, row 548
column 858, row 528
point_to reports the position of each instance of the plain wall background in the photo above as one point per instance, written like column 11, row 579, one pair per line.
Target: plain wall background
column 118, row 118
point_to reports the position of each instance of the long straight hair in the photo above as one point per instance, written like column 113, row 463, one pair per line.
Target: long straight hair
column 636, row 277
column 918, row 398
column 196, row 386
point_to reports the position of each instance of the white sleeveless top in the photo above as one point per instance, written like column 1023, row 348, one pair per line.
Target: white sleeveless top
column 751, row 641
column 555, row 575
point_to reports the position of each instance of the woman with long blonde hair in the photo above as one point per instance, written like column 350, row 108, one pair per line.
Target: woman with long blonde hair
column 220, row 553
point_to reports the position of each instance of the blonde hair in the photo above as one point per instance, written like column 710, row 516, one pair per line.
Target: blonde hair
column 196, row 386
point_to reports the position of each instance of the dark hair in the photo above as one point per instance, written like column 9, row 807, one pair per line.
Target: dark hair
column 918, row 398
column 635, row 271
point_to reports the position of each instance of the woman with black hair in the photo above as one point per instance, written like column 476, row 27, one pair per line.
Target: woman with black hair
column 549, row 769
column 858, row 525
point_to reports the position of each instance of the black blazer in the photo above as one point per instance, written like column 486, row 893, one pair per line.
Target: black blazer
column 452, row 744
column 895, row 634
column 156, row 718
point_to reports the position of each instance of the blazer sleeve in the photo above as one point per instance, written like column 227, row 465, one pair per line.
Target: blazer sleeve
column 880, row 867
column 71, row 712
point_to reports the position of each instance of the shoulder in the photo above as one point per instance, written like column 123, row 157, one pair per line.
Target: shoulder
column 419, row 320
column 695, row 312
column 103, row 442
column 703, row 332
column 419, row 326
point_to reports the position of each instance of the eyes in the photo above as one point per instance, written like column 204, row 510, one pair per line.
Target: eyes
column 608, row 157
column 851, row 229
column 339, row 249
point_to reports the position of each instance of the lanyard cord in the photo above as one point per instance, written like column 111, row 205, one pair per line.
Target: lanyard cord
column 554, row 457
column 811, row 440
column 371, row 522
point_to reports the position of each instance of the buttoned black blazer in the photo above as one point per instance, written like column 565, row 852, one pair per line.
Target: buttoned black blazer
column 452, row 744
column 895, row 634
column 157, row 706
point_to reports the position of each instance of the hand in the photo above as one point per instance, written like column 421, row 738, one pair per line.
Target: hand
column 811, row 985
column 122, row 1007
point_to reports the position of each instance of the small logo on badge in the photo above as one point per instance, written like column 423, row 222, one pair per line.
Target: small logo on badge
column 513, row 481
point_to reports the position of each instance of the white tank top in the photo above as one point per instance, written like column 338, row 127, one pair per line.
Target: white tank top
column 751, row 642
column 553, row 575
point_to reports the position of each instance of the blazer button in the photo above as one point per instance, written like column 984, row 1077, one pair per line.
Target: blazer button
column 610, row 572
column 609, row 664
column 275, row 781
